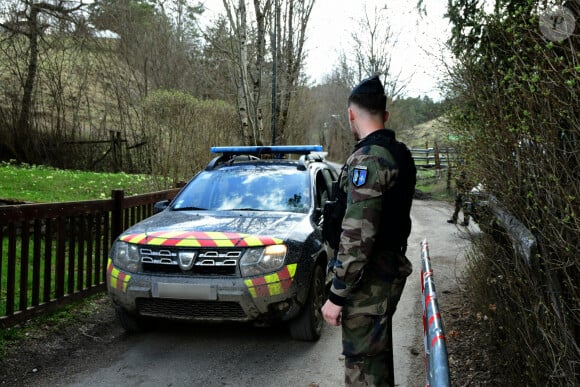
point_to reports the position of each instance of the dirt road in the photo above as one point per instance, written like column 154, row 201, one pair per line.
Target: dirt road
column 233, row 355
column 447, row 245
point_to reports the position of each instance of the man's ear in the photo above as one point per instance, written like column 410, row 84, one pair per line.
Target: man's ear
column 350, row 114
column 386, row 116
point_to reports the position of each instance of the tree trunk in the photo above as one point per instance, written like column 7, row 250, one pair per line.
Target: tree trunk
column 261, row 14
column 22, row 135
column 243, row 88
column 291, row 53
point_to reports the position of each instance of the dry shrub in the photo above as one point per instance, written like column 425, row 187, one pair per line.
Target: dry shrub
column 180, row 129
column 525, row 338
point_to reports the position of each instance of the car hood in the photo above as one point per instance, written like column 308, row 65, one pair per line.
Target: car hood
column 232, row 228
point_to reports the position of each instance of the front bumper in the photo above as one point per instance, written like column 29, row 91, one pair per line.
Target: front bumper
column 271, row 297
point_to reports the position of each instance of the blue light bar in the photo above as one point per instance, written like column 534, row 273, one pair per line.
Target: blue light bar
column 260, row 150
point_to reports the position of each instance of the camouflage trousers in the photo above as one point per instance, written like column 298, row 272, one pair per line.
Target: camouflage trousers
column 462, row 203
column 367, row 333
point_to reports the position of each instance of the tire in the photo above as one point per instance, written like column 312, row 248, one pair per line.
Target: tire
column 131, row 323
column 308, row 325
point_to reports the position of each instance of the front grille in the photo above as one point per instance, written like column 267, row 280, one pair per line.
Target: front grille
column 190, row 309
column 221, row 262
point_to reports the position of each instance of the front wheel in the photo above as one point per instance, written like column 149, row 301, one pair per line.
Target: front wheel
column 308, row 325
column 131, row 323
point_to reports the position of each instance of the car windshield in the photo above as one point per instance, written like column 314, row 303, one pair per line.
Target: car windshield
column 258, row 188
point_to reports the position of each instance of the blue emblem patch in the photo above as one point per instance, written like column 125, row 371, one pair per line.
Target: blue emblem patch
column 359, row 176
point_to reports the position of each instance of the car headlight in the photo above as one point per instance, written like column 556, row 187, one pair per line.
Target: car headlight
column 125, row 256
column 257, row 261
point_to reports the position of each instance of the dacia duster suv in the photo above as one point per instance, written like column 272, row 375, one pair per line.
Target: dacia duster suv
column 241, row 241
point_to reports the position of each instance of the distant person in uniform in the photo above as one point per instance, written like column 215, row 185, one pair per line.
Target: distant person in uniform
column 461, row 198
column 376, row 187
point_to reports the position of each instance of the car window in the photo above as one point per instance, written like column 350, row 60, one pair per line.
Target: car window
column 249, row 188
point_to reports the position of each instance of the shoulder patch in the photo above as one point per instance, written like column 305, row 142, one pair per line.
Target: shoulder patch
column 359, row 176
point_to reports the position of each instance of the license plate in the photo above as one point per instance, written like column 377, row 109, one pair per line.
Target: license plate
column 184, row 291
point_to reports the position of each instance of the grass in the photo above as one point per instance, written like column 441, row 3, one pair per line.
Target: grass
column 92, row 275
column 426, row 135
column 41, row 184
column 435, row 186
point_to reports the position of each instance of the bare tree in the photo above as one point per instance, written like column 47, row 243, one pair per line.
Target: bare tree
column 217, row 58
column 32, row 19
column 157, row 40
column 249, row 72
column 284, row 21
column 290, row 32
column 374, row 41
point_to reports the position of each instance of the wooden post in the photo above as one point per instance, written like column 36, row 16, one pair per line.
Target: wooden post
column 119, row 147
column 437, row 161
column 449, row 167
column 113, row 149
column 118, row 195
column 60, row 257
column 116, row 150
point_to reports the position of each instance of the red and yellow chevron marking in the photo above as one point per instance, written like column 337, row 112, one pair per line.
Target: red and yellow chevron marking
column 272, row 284
column 200, row 239
column 117, row 279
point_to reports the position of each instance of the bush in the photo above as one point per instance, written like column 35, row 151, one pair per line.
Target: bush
column 180, row 129
column 514, row 93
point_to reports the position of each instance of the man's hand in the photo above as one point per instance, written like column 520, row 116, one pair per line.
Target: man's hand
column 331, row 313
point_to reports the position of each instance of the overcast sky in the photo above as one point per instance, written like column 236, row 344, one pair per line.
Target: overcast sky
column 331, row 24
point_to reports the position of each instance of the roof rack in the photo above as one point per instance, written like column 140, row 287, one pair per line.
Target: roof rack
column 277, row 150
column 234, row 153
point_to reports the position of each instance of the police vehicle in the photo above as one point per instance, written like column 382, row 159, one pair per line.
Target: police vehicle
column 241, row 242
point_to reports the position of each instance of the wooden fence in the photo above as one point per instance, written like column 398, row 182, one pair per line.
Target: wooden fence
column 54, row 253
column 438, row 158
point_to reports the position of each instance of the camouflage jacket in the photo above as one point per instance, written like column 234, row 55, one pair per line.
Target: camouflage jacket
column 370, row 172
column 461, row 183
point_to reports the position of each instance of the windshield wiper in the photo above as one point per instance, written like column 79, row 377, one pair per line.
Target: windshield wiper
column 246, row 209
column 188, row 209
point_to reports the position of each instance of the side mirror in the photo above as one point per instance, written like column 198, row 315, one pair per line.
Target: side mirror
column 160, row 206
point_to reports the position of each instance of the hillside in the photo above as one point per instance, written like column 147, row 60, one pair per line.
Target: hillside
column 426, row 134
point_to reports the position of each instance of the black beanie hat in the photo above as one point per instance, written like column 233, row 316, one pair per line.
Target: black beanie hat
column 370, row 85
